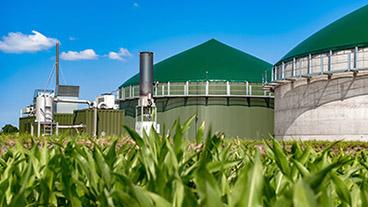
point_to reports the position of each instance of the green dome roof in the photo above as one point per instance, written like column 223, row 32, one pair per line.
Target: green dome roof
column 211, row 60
column 349, row 31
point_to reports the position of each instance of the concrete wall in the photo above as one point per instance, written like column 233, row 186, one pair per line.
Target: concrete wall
column 234, row 119
column 323, row 109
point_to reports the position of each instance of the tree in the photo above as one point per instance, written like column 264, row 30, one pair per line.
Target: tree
column 9, row 129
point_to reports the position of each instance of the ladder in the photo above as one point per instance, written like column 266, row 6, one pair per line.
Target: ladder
column 47, row 129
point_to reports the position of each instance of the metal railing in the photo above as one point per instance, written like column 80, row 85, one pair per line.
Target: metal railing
column 199, row 89
column 325, row 63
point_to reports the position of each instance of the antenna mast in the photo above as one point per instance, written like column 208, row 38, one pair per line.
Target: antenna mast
column 57, row 69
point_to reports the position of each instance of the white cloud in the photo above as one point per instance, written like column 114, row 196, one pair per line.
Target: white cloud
column 87, row 54
column 17, row 42
column 71, row 38
column 122, row 54
column 135, row 4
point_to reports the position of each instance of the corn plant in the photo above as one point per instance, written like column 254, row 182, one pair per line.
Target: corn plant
column 167, row 170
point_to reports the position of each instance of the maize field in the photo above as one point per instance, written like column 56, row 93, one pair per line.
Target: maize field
column 166, row 170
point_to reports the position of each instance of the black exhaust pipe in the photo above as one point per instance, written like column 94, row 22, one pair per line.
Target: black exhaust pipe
column 146, row 73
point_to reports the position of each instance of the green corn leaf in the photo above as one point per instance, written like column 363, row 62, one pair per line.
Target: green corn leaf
column 303, row 170
column 280, row 158
column 135, row 136
column 158, row 200
column 364, row 193
column 303, row 195
column 248, row 189
column 341, row 189
column 111, row 154
column 200, row 133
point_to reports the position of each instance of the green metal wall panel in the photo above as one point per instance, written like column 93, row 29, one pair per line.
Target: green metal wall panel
column 235, row 117
column 64, row 119
column 25, row 124
column 109, row 122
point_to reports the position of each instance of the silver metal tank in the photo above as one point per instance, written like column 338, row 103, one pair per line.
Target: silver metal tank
column 44, row 107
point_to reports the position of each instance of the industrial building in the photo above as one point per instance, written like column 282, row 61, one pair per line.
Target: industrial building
column 57, row 111
column 319, row 90
column 219, row 84
column 321, row 86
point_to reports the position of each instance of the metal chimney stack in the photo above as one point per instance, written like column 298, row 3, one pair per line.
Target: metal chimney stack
column 146, row 73
column 146, row 111
column 57, row 70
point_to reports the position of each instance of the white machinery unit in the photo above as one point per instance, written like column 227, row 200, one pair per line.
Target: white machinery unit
column 44, row 102
column 146, row 116
column 44, row 108
column 66, row 92
column 27, row 111
column 106, row 101
column 146, row 111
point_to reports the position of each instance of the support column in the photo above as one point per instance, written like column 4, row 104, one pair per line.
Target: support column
column 57, row 129
column 95, row 122
column 38, row 129
column 186, row 91
column 329, row 61
column 168, row 88
column 355, row 57
column 227, row 88
column 246, row 88
column 309, row 64
column 293, row 70
column 272, row 74
column 130, row 91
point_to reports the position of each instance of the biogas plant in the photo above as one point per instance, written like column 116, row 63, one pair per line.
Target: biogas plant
column 221, row 85
column 319, row 90
column 321, row 86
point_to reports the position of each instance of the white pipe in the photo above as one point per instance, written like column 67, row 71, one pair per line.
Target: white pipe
column 90, row 103
column 71, row 126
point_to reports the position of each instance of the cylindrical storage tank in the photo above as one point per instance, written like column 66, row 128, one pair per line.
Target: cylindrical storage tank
column 146, row 73
column 322, row 90
column 44, row 104
column 220, row 85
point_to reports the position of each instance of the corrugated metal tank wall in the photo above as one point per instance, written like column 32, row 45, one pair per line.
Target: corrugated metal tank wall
column 236, row 117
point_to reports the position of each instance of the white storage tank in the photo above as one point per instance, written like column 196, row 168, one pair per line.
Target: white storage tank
column 44, row 107
column 322, row 88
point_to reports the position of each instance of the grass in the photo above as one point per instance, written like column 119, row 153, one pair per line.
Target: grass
column 166, row 170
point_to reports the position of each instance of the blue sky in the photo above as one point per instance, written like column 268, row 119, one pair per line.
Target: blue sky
column 101, row 39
